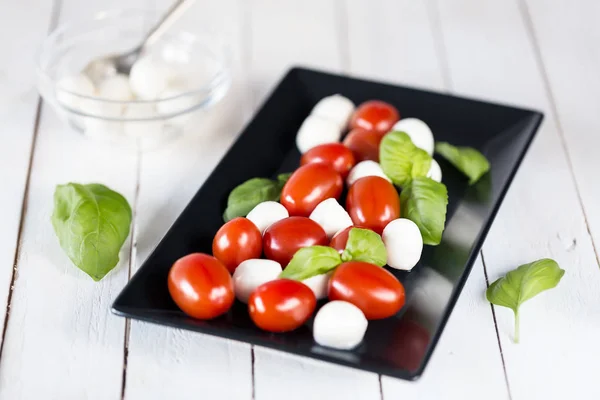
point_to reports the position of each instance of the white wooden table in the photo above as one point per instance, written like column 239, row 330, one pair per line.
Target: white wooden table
column 59, row 339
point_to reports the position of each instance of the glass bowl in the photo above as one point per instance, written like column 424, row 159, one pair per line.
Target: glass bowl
column 193, row 74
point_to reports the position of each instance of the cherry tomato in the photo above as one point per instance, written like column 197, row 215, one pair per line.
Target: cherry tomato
column 286, row 236
column 238, row 240
column 336, row 155
column 375, row 116
column 364, row 144
column 281, row 305
column 371, row 288
column 308, row 186
column 201, row 286
column 340, row 239
column 372, row 203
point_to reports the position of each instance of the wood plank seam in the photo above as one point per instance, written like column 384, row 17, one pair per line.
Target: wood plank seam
column 56, row 8
column 537, row 55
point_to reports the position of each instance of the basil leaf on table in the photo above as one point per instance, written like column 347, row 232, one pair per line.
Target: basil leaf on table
column 466, row 159
column 522, row 284
column 401, row 160
column 424, row 202
column 246, row 196
column 365, row 245
column 91, row 223
column 311, row 261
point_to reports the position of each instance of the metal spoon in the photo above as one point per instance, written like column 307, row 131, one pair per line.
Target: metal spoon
column 101, row 68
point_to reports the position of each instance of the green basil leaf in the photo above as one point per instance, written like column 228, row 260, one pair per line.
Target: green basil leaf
column 522, row 284
column 401, row 160
column 91, row 223
column 365, row 245
column 466, row 159
column 424, row 202
column 311, row 261
column 283, row 178
column 246, row 196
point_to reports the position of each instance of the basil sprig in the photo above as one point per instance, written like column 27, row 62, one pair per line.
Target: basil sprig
column 310, row 261
column 522, row 284
column 401, row 160
column 424, row 201
column 467, row 160
column 365, row 245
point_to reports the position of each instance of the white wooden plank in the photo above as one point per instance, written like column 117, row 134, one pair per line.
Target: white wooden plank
column 396, row 41
column 164, row 362
column 490, row 54
column 61, row 340
column 285, row 34
column 18, row 107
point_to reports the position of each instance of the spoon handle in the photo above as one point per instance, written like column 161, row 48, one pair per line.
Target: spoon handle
column 172, row 15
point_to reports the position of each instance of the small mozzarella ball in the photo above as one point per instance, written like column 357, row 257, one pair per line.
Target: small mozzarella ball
column 315, row 131
column 365, row 168
column 78, row 84
column 98, row 126
column 142, row 128
column 177, row 105
column 265, row 214
column 336, row 108
column 340, row 325
column 435, row 172
column 149, row 78
column 403, row 243
column 331, row 216
column 318, row 284
column 116, row 88
column 419, row 133
column 252, row 273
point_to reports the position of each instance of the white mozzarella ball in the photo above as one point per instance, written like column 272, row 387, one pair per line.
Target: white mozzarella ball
column 252, row 273
column 336, row 108
column 365, row 168
column 315, row 131
column 340, row 325
column 181, row 102
column 435, row 172
column 80, row 85
column 318, row 284
column 142, row 129
column 331, row 216
column 98, row 126
column 419, row 133
column 266, row 214
column 149, row 78
column 403, row 243
column 116, row 88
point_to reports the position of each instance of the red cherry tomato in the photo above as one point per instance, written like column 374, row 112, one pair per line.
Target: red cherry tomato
column 238, row 240
column 364, row 144
column 376, row 116
column 372, row 203
column 285, row 237
column 340, row 239
column 308, row 186
column 201, row 286
column 371, row 288
column 281, row 305
column 336, row 155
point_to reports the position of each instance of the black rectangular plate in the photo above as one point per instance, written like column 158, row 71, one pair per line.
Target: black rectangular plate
column 399, row 346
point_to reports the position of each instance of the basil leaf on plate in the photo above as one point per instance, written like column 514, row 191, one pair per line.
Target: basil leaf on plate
column 522, row 284
column 466, row 159
column 424, row 202
column 311, row 261
column 365, row 245
column 401, row 160
column 246, row 196
column 91, row 223
column 283, row 178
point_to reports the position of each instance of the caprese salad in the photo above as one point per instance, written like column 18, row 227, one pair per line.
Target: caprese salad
column 291, row 241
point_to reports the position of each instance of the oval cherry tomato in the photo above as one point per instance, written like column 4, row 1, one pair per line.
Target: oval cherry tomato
column 201, row 286
column 371, row 288
column 364, row 144
column 372, row 203
column 340, row 239
column 286, row 236
column 336, row 155
column 281, row 305
column 238, row 240
column 376, row 116
column 308, row 186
